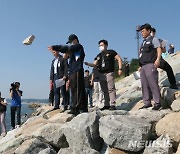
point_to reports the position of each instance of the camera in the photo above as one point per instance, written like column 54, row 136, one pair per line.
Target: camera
column 13, row 86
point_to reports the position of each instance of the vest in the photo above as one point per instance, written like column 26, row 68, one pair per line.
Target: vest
column 148, row 54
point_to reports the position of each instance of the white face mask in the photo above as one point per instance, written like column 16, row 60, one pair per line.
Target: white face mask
column 101, row 48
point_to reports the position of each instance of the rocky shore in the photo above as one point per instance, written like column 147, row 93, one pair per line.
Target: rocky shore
column 123, row 131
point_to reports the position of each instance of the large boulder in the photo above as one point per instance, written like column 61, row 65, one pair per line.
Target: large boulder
column 11, row 142
column 162, row 145
column 124, row 132
column 83, row 131
column 32, row 146
column 170, row 125
column 60, row 118
column 85, row 150
column 149, row 115
column 52, row 134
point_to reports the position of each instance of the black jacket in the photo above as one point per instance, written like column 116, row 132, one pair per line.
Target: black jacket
column 75, row 64
column 62, row 69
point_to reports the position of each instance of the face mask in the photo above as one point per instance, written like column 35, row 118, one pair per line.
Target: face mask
column 101, row 48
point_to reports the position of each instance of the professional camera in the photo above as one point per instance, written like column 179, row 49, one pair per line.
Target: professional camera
column 13, row 86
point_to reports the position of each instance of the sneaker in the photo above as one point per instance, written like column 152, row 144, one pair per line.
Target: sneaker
column 173, row 87
column 73, row 112
column 145, row 106
column 105, row 108
column 157, row 107
column 112, row 107
column 3, row 134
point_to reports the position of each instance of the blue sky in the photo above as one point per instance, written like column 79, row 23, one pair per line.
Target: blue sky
column 52, row 21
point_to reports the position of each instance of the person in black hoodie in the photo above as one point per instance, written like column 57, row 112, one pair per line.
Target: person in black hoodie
column 2, row 115
column 75, row 53
column 59, row 70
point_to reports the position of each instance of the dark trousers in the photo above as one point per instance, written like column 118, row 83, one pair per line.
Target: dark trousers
column 57, row 94
column 166, row 67
column 14, row 110
column 149, row 82
column 89, row 92
column 78, row 90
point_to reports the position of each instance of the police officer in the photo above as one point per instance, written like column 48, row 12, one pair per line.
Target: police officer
column 105, row 61
column 149, row 56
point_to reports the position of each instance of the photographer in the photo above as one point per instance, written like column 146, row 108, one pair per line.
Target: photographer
column 15, row 94
column 2, row 115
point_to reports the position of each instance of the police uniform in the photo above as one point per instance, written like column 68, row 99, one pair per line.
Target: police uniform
column 149, row 73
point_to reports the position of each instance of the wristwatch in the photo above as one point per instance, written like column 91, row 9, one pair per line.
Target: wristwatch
column 120, row 69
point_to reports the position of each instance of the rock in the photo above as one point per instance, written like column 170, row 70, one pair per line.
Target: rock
column 51, row 134
column 160, row 146
column 115, row 112
column 177, row 95
column 116, row 151
column 83, row 131
column 168, row 94
column 31, row 125
column 48, row 151
column 34, row 105
column 61, row 118
column 32, row 146
column 150, row 115
column 124, row 132
column 178, row 150
column 175, row 105
column 170, row 125
column 11, row 143
column 77, row 151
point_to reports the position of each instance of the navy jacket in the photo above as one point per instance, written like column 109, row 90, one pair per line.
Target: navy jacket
column 76, row 55
column 62, row 69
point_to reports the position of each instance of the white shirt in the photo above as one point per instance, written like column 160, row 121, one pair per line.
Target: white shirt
column 55, row 66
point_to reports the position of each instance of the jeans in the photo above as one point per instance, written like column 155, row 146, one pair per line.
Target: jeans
column 14, row 110
column 2, row 122
column 89, row 92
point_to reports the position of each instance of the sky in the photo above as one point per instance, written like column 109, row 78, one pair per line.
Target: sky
column 52, row 21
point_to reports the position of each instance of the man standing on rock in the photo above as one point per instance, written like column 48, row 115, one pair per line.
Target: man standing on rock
column 149, row 57
column 105, row 62
column 59, row 70
column 75, row 53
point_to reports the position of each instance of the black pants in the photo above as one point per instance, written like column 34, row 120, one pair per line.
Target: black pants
column 78, row 90
column 166, row 67
column 57, row 94
column 14, row 110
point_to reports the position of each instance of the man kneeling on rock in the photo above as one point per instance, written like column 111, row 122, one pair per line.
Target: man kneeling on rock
column 149, row 57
